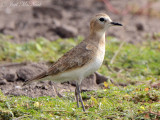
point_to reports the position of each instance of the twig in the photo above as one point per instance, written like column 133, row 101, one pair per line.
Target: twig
column 109, row 68
column 64, row 111
column 20, row 118
column 14, row 64
column 113, row 82
column 116, row 53
column 55, row 111
column 150, row 112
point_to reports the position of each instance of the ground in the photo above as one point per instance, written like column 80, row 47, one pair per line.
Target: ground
column 26, row 29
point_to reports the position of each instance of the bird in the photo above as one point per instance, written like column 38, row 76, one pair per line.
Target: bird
column 82, row 60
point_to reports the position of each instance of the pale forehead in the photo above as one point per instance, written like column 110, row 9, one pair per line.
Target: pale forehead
column 102, row 14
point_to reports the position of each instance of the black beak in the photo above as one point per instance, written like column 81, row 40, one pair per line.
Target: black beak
column 114, row 23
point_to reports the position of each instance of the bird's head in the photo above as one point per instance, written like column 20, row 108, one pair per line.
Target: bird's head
column 101, row 22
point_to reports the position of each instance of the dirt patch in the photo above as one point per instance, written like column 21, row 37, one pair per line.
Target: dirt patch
column 55, row 19
column 14, row 75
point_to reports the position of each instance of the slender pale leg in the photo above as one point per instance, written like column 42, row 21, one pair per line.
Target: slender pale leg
column 77, row 91
column 77, row 98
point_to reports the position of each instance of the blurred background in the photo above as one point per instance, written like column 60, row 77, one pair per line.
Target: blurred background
column 26, row 20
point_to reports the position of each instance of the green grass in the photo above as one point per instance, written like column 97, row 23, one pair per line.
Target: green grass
column 131, row 102
column 135, row 65
column 38, row 50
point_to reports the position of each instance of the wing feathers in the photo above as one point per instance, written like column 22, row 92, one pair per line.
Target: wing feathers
column 76, row 57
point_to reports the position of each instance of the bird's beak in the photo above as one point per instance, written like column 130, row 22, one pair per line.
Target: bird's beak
column 115, row 23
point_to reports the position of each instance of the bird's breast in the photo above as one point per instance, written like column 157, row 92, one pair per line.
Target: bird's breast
column 96, row 62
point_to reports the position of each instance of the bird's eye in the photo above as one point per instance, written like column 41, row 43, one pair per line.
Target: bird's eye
column 101, row 19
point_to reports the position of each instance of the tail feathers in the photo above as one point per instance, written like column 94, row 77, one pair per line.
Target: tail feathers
column 40, row 76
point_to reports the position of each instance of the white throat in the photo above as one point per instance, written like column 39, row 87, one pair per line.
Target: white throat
column 100, row 34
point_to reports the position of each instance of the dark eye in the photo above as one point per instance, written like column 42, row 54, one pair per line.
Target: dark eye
column 101, row 19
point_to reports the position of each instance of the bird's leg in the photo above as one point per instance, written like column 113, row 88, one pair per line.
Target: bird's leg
column 55, row 89
column 79, row 94
column 77, row 99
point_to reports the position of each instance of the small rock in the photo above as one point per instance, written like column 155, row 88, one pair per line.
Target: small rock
column 10, row 77
column 66, row 31
column 140, row 27
column 18, row 87
column 156, row 84
column 3, row 81
column 100, row 78
column 24, row 73
column 50, row 83
column 42, row 87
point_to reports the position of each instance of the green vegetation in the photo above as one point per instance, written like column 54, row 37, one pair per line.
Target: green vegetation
column 38, row 50
column 131, row 102
column 135, row 65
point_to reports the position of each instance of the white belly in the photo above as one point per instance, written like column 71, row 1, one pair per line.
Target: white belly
column 80, row 73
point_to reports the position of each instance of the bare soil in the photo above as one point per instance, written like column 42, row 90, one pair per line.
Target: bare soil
column 55, row 19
